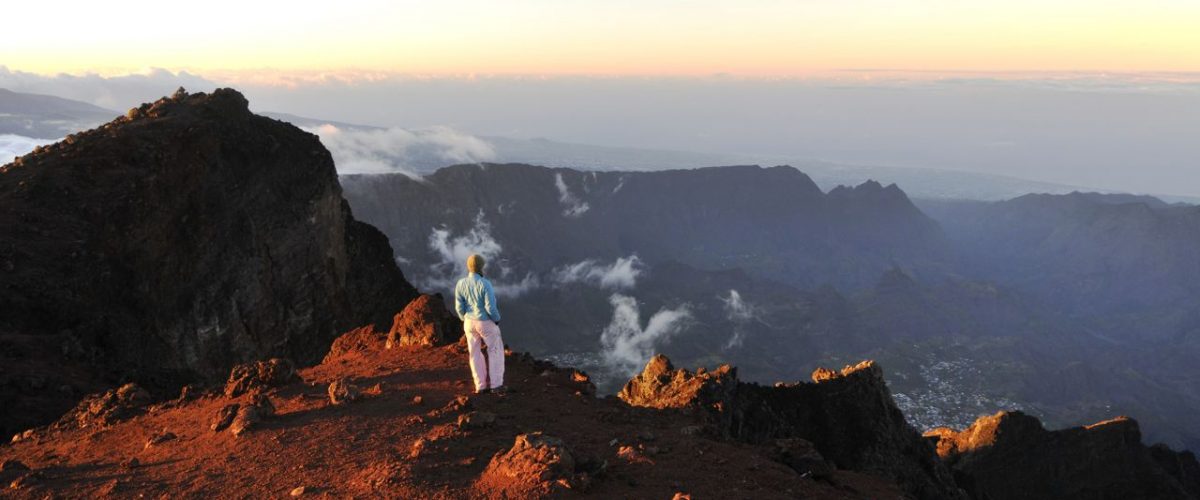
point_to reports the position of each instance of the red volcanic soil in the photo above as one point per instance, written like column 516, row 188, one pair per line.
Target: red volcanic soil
column 365, row 448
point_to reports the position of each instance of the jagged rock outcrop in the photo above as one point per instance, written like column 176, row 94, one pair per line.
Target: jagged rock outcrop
column 425, row 321
column 1010, row 455
column 848, row 416
column 179, row 240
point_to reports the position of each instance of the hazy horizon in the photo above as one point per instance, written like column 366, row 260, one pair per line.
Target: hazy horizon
column 1123, row 132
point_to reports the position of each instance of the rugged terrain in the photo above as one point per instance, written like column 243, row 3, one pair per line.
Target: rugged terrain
column 172, row 243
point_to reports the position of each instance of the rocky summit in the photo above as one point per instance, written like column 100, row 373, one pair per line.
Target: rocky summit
column 172, row 243
column 194, row 242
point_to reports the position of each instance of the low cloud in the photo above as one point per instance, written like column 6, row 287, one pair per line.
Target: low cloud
column 398, row 150
column 621, row 274
column 12, row 146
column 626, row 345
column 572, row 205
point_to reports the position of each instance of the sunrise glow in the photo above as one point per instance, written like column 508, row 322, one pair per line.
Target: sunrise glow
column 763, row 38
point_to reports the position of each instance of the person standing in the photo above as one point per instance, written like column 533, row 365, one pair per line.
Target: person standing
column 475, row 303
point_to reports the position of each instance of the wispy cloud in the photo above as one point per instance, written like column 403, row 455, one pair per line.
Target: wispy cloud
column 572, row 205
column 626, row 344
column 452, row 251
column 738, row 312
column 621, row 274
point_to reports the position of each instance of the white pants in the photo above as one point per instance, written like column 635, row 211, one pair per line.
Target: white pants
column 488, row 373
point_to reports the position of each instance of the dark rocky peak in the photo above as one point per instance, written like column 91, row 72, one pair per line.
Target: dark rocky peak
column 180, row 239
column 1011, row 455
column 847, row 416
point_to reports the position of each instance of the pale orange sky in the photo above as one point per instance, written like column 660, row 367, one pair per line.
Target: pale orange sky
column 617, row 37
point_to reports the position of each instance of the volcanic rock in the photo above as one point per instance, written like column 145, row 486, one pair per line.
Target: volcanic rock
column 98, row 410
column 179, row 240
column 533, row 467
column 160, row 438
column 247, row 418
column 1010, row 455
column 476, row 420
column 343, row 391
column 12, row 465
column 259, row 375
column 848, row 416
column 802, row 457
column 426, row 322
column 362, row 339
column 224, row 417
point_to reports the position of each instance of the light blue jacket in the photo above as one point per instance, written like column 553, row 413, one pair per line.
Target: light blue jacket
column 475, row 299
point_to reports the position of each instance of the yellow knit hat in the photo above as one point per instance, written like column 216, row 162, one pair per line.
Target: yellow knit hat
column 475, row 264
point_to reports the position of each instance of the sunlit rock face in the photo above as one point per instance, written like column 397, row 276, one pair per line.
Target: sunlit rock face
column 1010, row 455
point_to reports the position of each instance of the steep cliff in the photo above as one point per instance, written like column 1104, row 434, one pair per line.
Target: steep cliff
column 172, row 243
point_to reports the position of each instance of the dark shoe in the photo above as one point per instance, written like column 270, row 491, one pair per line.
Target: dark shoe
column 483, row 391
column 499, row 391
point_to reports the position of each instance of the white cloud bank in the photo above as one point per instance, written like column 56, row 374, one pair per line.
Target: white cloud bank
column 12, row 146
column 398, row 150
column 625, row 344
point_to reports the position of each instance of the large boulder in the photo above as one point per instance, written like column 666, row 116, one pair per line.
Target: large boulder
column 425, row 322
column 260, row 375
column 534, row 467
column 847, row 415
column 1010, row 455
column 183, row 238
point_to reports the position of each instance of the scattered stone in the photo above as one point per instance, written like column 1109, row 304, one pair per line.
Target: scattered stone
column 691, row 430
column 342, row 391
column 417, row 400
column 645, row 435
column 247, row 418
column 247, row 377
column 632, row 455
column 13, row 465
column 224, row 417
column 298, row 491
column 21, row 436
column 418, row 447
column 131, row 463
column 476, row 420
column 679, row 495
column 160, row 438
column 26, row 480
